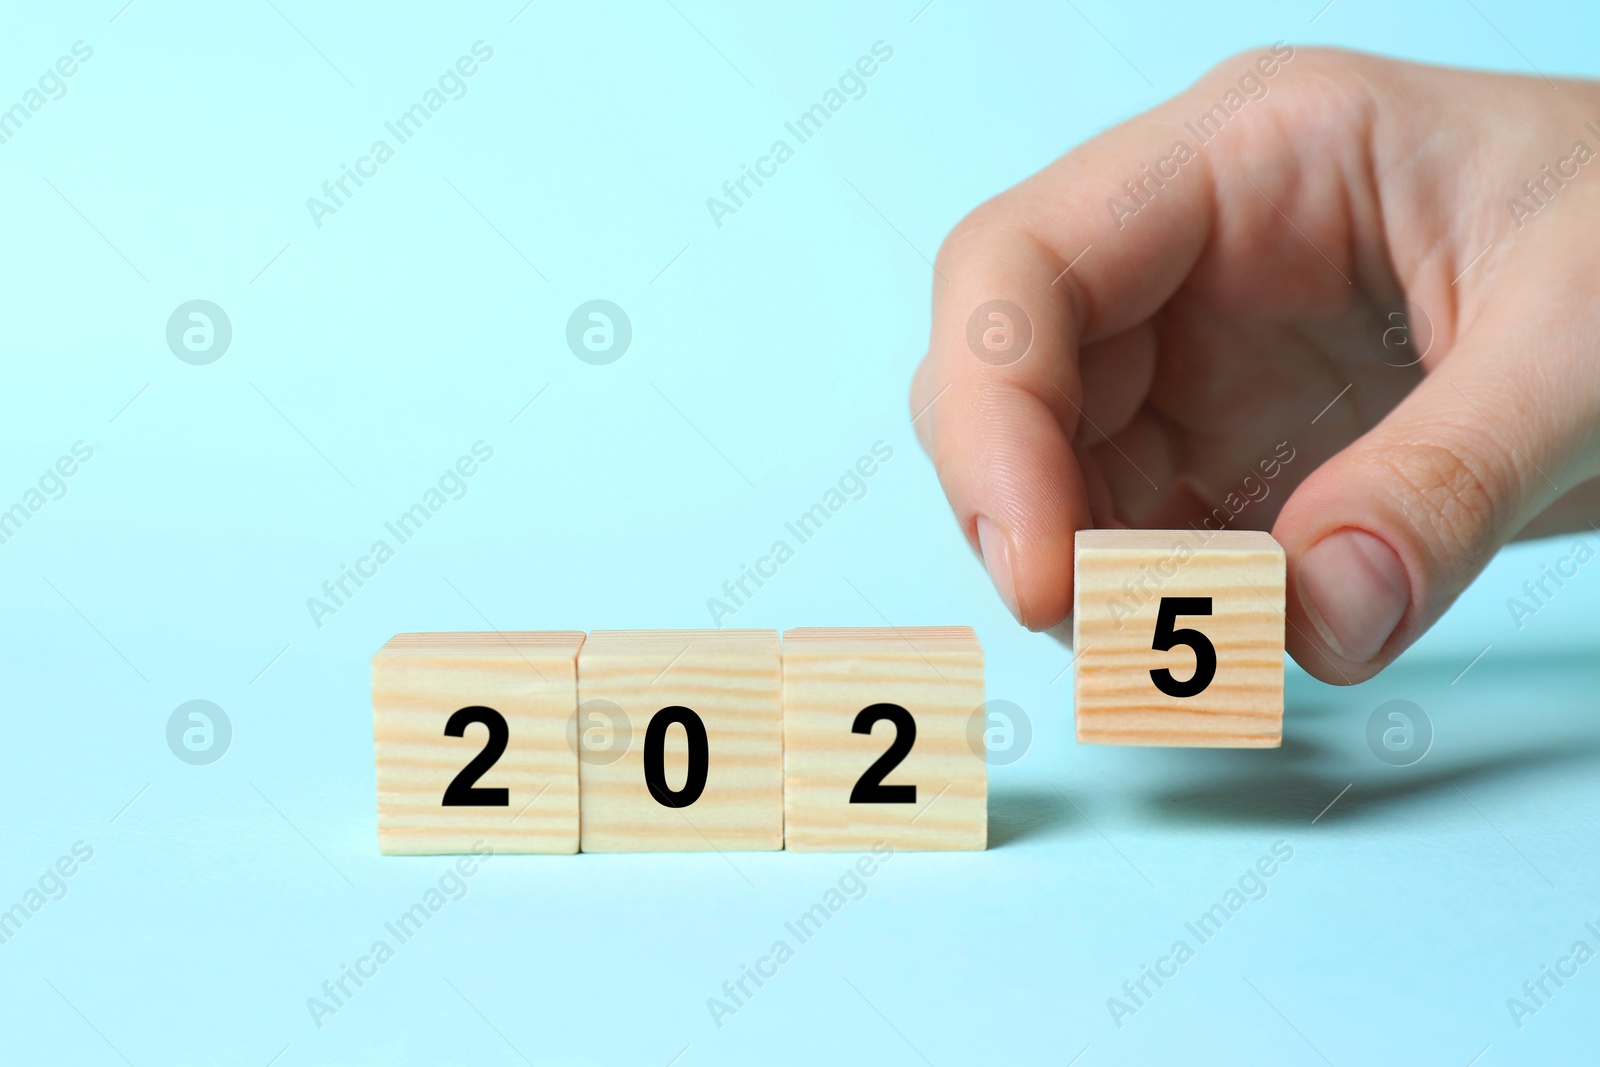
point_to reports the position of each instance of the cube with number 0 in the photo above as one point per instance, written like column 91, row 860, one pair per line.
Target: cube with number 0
column 470, row 737
column 1178, row 638
column 878, row 739
column 680, row 740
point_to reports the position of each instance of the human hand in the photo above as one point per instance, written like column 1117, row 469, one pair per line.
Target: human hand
column 1361, row 301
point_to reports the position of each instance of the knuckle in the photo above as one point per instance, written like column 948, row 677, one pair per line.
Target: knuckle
column 1282, row 61
column 1293, row 84
column 1454, row 491
column 953, row 250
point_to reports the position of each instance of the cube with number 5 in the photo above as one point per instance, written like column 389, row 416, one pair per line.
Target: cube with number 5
column 1178, row 638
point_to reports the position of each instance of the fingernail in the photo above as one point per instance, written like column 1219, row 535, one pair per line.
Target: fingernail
column 1354, row 589
column 997, row 558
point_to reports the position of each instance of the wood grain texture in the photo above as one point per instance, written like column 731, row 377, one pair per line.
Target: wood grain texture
column 418, row 682
column 732, row 679
column 830, row 675
column 1119, row 578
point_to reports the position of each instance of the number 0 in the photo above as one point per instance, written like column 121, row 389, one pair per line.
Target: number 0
column 655, row 756
column 1168, row 637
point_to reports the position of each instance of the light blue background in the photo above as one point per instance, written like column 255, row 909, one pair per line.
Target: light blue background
column 372, row 352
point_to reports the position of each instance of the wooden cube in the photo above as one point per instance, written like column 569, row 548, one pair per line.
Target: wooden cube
column 877, row 745
column 690, row 754
column 1177, row 638
column 470, row 737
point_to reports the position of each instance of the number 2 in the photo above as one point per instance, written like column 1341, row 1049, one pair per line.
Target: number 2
column 463, row 791
column 870, row 789
column 1167, row 636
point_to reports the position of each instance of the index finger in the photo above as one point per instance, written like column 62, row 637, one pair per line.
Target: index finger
column 1022, row 285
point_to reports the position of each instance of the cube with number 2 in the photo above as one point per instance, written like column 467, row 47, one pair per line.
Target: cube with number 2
column 470, row 735
column 878, row 739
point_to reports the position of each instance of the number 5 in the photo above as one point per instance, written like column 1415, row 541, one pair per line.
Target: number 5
column 1168, row 637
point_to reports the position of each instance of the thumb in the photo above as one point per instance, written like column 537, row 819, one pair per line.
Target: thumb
column 1384, row 536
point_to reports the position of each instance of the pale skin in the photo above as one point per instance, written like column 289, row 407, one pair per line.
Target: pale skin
column 1229, row 311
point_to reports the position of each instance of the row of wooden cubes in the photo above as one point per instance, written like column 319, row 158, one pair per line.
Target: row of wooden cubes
column 680, row 740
